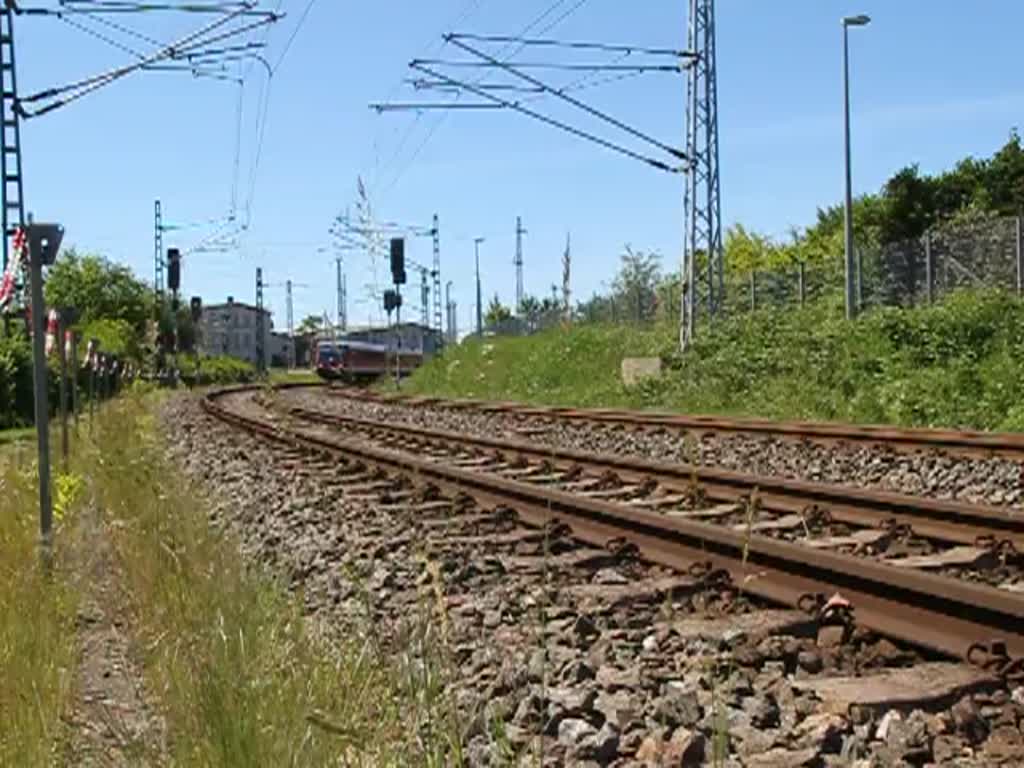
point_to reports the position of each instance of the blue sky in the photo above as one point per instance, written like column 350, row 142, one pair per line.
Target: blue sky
column 931, row 83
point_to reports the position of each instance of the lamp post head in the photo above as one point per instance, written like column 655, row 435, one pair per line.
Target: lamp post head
column 861, row 20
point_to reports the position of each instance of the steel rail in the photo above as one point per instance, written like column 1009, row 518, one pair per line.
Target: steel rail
column 969, row 442
column 941, row 614
column 937, row 519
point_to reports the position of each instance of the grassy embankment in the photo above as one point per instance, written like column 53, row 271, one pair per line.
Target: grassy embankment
column 37, row 617
column 16, row 435
column 228, row 657
column 957, row 363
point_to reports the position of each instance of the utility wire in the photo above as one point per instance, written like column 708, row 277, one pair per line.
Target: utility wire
column 196, row 60
column 580, row 84
column 525, row 41
column 295, row 32
column 548, row 65
column 262, row 107
column 104, row 38
column 125, row 30
column 261, row 126
column 468, row 9
column 507, row 52
column 238, row 147
column 98, row 7
column 83, row 87
column 555, row 123
column 401, row 106
column 572, row 100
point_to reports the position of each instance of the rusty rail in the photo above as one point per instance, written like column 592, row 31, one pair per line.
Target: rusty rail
column 940, row 520
column 945, row 615
column 960, row 442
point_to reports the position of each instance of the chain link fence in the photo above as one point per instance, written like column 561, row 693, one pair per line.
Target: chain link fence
column 988, row 254
column 524, row 325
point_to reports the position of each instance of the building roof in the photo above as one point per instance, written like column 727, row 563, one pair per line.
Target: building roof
column 236, row 305
column 391, row 328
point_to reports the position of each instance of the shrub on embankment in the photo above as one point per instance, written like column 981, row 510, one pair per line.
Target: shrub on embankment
column 216, row 370
column 16, row 393
column 16, row 386
column 956, row 363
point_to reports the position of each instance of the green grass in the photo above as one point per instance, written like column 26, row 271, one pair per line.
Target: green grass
column 242, row 680
column 957, row 363
column 230, row 661
column 220, row 369
column 37, row 612
column 295, row 375
column 17, row 435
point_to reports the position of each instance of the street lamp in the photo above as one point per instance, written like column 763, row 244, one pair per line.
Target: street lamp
column 849, row 21
column 479, row 311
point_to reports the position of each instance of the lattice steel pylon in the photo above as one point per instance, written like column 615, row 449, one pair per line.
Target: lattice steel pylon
column 158, row 253
column 702, row 269
column 519, row 265
column 435, row 233
column 10, row 126
column 261, row 331
column 424, row 298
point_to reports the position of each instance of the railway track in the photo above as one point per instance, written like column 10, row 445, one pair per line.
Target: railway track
column 665, row 487
column 954, row 617
column 957, row 442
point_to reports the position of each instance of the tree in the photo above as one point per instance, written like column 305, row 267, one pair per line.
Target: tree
column 910, row 205
column 548, row 305
column 669, row 292
column 116, row 337
column 529, row 307
column 496, row 313
column 530, row 310
column 635, row 286
column 745, row 251
column 1005, row 177
column 100, row 290
column 187, row 332
column 310, row 324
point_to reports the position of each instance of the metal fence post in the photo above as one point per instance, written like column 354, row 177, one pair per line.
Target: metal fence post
column 1020, row 259
column 92, row 393
column 753, row 289
column 42, row 406
column 929, row 268
column 860, row 279
column 64, row 445
column 74, row 378
column 800, row 284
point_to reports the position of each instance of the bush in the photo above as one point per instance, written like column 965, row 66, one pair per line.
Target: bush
column 15, row 381
column 217, row 370
column 17, row 406
column 958, row 363
column 116, row 337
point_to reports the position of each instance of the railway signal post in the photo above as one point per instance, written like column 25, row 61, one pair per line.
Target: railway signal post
column 43, row 241
column 398, row 278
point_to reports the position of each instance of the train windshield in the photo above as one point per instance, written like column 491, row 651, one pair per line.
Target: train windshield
column 328, row 354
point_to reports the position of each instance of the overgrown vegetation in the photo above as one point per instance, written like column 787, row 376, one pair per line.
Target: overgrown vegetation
column 241, row 678
column 908, row 205
column 16, row 392
column 220, row 369
column 37, row 617
column 957, row 363
column 15, row 381
column 231, row 662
